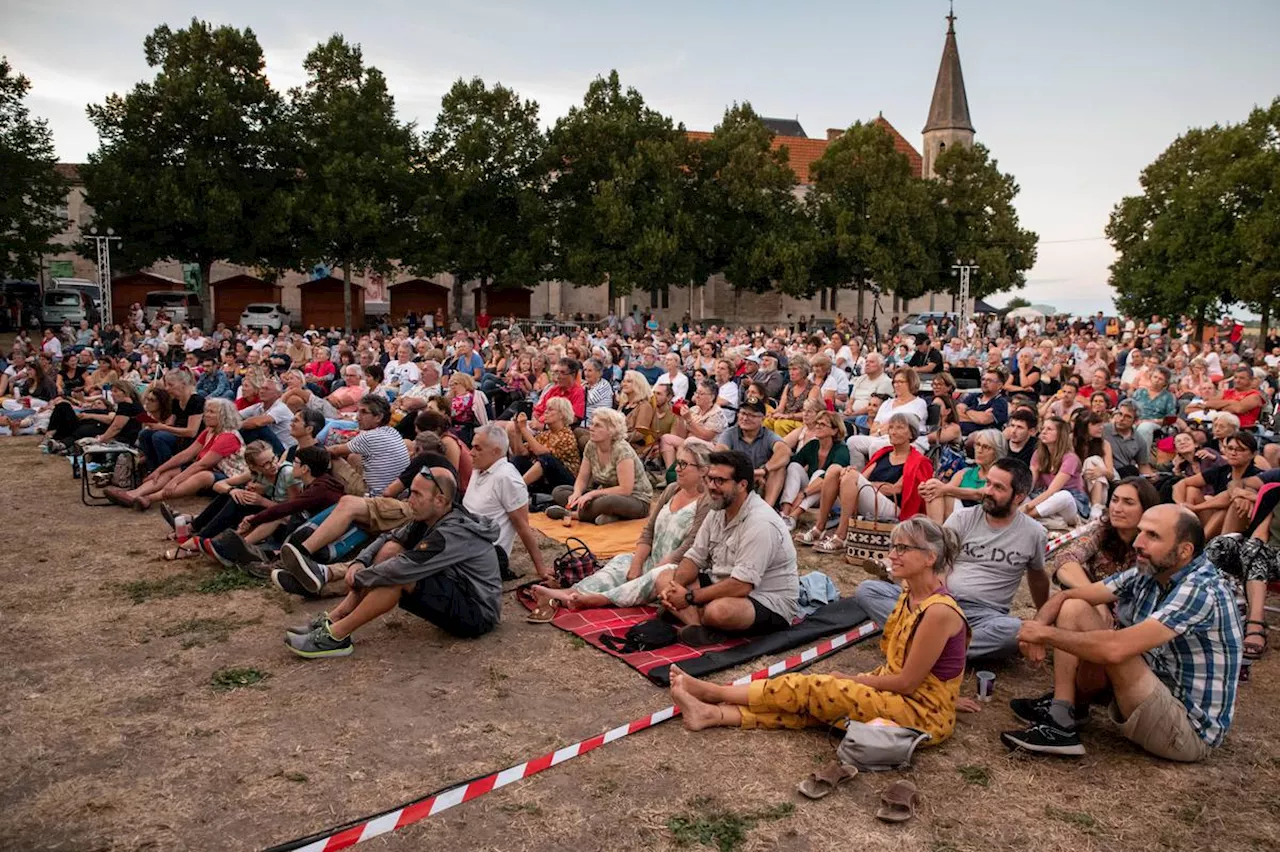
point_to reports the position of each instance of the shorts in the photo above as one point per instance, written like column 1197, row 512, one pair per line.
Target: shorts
column 766, row 620
column 218, row 476
column 1160, row 726
column 445, row 604
column 387, row 513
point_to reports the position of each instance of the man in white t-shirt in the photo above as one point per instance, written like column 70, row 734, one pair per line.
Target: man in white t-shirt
column 498, row 492
column 873, row 380
column 268, row 419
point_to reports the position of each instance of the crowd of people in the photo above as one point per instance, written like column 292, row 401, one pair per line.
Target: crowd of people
column 396, row 467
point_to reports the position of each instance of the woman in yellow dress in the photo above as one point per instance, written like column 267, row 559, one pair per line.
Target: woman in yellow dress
column 924, row 644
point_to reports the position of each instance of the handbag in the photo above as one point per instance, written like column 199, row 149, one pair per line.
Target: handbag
column 575, row 564
column 879, row 746
column 645, row 636
column 866, row 544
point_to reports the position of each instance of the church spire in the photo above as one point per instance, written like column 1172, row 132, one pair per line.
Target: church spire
column 950, row 107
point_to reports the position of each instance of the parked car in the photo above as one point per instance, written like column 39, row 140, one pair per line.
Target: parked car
column 917, row 323
column 91, row 290
column 179, row 305
column 264, row 315
column 60, row 306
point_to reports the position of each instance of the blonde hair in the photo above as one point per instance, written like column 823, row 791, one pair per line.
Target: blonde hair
column 611, row 420
column 640, row 385
column 561, row 406
column 464, row 379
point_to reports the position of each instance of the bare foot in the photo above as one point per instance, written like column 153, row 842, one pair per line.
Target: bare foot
column 695, row 714
column 699, row 689
column 543, row 595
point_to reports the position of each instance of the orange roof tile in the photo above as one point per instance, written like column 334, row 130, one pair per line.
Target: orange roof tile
column 803, row 152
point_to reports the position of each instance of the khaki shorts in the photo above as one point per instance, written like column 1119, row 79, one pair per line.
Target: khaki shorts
column 386, row 513
column 1160, row 726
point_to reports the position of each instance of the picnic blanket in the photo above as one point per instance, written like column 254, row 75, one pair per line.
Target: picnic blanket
column 590, row 624
column 605, row 540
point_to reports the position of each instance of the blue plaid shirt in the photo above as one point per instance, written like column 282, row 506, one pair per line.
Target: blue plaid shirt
column 1201, row 666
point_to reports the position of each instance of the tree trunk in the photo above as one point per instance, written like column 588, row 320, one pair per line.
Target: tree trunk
column 457, row 298
column 1200, row 323
column 346, row 295
column 206, row 270
column 862, row 289
column 484, row 294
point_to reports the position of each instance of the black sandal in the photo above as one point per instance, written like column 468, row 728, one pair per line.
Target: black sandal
column 1255, row 652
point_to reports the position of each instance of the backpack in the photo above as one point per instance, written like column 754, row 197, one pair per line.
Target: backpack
column 575, row 563
column 645, row 636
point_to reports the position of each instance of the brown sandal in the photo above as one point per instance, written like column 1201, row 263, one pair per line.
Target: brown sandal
column 898, row 802
column 826, row 780
column 544, row 614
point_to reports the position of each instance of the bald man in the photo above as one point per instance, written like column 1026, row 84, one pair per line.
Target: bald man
column 442, row 566
column 1170, row 660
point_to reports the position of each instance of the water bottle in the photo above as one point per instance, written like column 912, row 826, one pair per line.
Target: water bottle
column 182, row 528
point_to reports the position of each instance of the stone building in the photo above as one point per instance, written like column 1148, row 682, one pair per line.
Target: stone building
column 948, row 123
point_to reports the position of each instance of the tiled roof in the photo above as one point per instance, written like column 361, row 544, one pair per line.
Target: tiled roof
column 784, row 126
column 802, row 152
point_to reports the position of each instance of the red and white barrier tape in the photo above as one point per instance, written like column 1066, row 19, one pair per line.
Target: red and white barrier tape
column 420, row 809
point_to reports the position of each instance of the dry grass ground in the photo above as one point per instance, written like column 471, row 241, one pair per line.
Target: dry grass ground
column 151, row 705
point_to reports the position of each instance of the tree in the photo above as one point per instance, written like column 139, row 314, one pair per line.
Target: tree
column 619, row 193
column 193, row 165
column 485, row 214
column 977, row 222
column 872, row 217
column 1017, row 302
column 748, row 222
column 1178, row 242
column 30, row 188
column 354, row 198
column 1255, row 177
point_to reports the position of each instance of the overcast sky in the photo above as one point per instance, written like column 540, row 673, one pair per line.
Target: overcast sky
column 1073, row 98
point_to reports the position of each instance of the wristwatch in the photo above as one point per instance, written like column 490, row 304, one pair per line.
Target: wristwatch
column 688, row 598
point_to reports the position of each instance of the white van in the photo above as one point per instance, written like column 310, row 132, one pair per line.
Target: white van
column 59, row 306
column 180, row 306
column 91, row 291
column 266, row 315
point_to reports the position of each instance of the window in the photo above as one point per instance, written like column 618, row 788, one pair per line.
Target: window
column 824, row 298
column 662, row 294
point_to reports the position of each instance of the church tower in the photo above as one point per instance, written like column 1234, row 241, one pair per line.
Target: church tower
column 949, row 122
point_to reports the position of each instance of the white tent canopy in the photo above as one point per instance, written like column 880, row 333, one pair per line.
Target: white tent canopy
column 1025, row 313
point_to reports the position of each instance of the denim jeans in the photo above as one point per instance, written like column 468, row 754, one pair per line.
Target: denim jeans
column 995, row 633
column 263, row 433
column 158, row 447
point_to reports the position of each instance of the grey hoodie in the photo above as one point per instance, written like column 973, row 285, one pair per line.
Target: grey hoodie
column 460, row 544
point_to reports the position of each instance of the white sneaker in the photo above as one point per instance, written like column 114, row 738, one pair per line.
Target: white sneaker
column 789, row 522
column 1095, row 511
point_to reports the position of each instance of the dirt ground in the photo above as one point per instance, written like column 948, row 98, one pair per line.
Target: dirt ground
column 124, row 726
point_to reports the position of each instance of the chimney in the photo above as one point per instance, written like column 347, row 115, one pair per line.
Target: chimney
column 834, row 133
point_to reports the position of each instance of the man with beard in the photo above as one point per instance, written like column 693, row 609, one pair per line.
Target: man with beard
column 998, row 545
column 739, row 577
column 1169, row 663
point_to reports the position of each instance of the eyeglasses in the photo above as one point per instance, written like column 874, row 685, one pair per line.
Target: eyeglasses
column 718, row 481
column 681, row 464
column 899, row 549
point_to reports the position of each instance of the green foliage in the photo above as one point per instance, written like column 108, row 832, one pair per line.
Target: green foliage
column 30, row 188
column 973, row 202
column 141, row 591
column 482, row 215
column 724, row 829
column 619, row 186
column 872, row 216
column 1017, row 302
column 975, row 774
column 225, row 680
column 748, row 221
column 193, row 165
column 229, row 580
column 355, row 158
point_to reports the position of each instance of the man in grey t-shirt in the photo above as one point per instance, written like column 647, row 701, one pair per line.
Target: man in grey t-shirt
column 998, row 545
column 1129, row 451
column 769, row 455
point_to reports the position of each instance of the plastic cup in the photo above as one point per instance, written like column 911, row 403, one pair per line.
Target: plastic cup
column 986, row 685
column 568, row 519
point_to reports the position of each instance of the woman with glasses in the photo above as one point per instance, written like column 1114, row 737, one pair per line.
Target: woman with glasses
column 918, row 685
column 612, row 484
column 906, row 387
column 627, row 579
column 942, row 499
column 1208, row 493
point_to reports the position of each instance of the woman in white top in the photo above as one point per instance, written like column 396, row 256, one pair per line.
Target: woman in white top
column 679, row 381
column 906, row 386
column 727, row 395
column 705, row 420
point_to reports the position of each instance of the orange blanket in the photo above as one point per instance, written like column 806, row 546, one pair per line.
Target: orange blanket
column 605, row 541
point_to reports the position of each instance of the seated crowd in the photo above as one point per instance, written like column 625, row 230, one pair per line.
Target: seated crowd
column 397, row 468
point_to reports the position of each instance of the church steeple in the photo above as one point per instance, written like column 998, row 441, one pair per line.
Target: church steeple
column 949, row 122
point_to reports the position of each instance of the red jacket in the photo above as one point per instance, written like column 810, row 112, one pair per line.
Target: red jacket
column 918, row 469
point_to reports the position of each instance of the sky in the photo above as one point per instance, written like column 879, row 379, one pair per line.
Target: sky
column 1072, row 98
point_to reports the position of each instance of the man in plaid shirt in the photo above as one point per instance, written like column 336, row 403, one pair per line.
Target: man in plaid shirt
column 1170, row 659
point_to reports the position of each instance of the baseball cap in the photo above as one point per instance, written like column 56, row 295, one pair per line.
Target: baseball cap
column 754, row 359
column 757, row 407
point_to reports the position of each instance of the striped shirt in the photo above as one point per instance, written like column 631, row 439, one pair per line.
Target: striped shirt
column 599, row 395
column 1201, row 665
column 384, row 454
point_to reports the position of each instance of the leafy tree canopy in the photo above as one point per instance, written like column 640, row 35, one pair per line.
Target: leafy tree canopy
column 30, row 188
